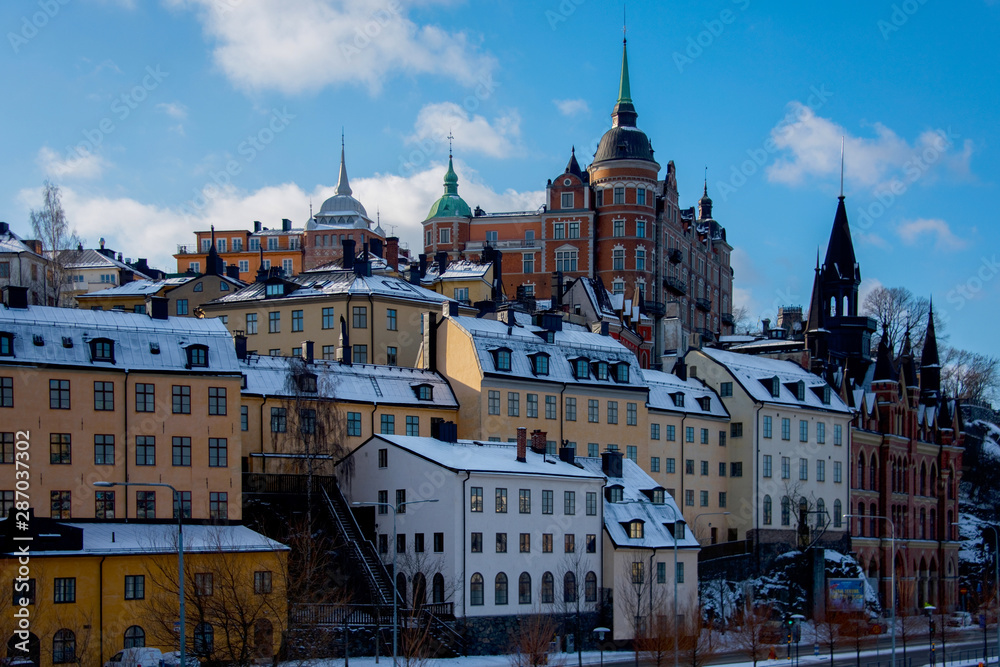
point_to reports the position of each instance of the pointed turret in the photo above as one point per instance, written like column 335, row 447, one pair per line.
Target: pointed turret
column 705, row 204
column 450, row 204
column 930, row 365
column 213, row 263
column 841, row 262
column 573, row 167
column 884, row 370
column 343, row 186
column 624, row 114
column 907, row 364
column 623, row 141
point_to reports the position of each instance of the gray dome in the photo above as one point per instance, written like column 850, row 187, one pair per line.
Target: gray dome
column 624, row 143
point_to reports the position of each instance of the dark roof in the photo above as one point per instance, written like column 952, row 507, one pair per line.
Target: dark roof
column 906, row 364
column 883, row 363
column 840, row 263
column 574, row 167
column 624, row 143
column 929, row 356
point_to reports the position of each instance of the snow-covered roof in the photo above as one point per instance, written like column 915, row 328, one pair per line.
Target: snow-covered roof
column 484, row 457
column 139, row 288
column 12, row 243
column 361, row 383
column 89, row 258
column 490, row 335
column 337, row 265
column 635, row 505
column 60, row 336
column 127, row 538
column 751, row 370
column 663, row 387
column 458, row 270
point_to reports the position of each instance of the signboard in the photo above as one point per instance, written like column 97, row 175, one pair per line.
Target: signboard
column 845, row 595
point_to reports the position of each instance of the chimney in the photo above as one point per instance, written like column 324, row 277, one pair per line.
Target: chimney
column 127, row 276
column 430, row 341
column 522, row 444
column 15, row 297
column 680, row 369
column 286, row 225
column 441, row 259
column 392, row 252
column 256, row 226
column 567, row 454
column 557, row 290
column 447, row 432
column 538, row 441
column 308, row 351
column 348, row 254
column 611, row 464
column 375, row 245
column 233, row 271
column 4, row 228
column 240, row 341
column 449, row 309
column 423, row 265
column 157, row 307
column 414, row 274
column 604, row 328
column 766, row 324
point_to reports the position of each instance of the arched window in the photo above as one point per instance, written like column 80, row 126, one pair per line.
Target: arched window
column 63, row 647
column 548, row 588
column 860, row 481
column 524, row 588
column 803, row 511
column 767, row 510
column 590, row 587
column 476, row 590
column 437, row 588
column 820, row 513
column 873, row 474
column 949, row 529
column 135, row 637
column 569, row 587
column 838, row 513
column 204, row 639
column 401, row 586
column 923, row 523
column 786, row 511
column 923, row 480
column 873, row 510
column 500, row 589
column 933, row 525
column 861, row 519
column 419, row 589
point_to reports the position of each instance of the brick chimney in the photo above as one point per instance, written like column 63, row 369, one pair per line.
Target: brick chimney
column 392, row 252
column 522, row 444
column 538, row 441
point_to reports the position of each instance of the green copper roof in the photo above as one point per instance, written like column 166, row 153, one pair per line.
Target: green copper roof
column 450, row 205
column 624, row 91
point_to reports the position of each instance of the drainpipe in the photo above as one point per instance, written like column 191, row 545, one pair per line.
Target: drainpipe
column 756, row 480
column 263, row 401
column 100, row 605
column 562, row 412
column 465, row 606
column 371, row 331
column 681, row 436
column 125, row 434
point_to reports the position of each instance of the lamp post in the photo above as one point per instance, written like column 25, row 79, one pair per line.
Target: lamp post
column 930, row 627
column 395, row 588
column 180, row 550
column 722, row 603
column 797, row 634
column 996, row 590
column 600, row 639
column 677, row 519
column 892, row 574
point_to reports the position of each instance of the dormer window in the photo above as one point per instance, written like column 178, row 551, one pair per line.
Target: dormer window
column 102, row 349
column 6, row 344
column 635, row 529
column 797, row 388
column 424, row 392
column 773, row 386
column 223, row 286
column 581, row 369
column 677, row 529
column 501, row 359
column 540, row 363
column 678, row 399
column 197, row 356
column 826, row 394
column 67, row 341
column 38, row 340
column 547, row 335
column 601, row 370
column 307, row 382
column 659, row 496
column 621, row 373
column 154, row 348
column 615, row 493
column 243, row 381
column 274, row 289
column 705, row 403
column 199, row 287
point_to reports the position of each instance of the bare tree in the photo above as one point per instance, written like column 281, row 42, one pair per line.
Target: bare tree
column 751, row 631
column 50, row 226
column 417, row 642
column 530, row 643
column 576, row 605
column 970, row 375
column 896, row 309
column 742, row 320
column 659, row 634
column 828, row 631
column 695, row 642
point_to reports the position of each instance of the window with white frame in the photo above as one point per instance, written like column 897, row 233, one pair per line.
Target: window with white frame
column 528, row 262
column 444, row 235
column 640, row 259
column 567, row 200
column 566, row 260
column 618, row 228
column 618, row 259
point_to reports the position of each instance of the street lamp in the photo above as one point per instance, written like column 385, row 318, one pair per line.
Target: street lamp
column 180, row 549
column 892, row 573
column 600, row 638
column 797, row 634
column 996, row 590
column 930, row 627
column 395, row 589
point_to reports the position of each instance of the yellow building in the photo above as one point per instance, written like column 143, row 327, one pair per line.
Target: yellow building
column 186, row 294
column 464, row 281
column 376, row 316
column 90, row 590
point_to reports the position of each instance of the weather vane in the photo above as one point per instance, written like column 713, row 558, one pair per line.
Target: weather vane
column 450, row 138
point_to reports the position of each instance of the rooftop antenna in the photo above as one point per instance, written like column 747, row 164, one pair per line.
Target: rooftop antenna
column 310, row 208
column 841, row 167
column 392, row 230
column 706, row 180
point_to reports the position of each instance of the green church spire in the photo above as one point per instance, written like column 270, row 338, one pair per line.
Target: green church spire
column 624, row 91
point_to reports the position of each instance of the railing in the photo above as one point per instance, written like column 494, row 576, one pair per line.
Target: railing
column 257, row 482
column 675, row 255
column 187, row 250
column 366, row 615
column 654, row 308
column 707, row 334
column 517, row 243
column 675, row 285
column 703, row 304
column 727, row 318
column 724, row 550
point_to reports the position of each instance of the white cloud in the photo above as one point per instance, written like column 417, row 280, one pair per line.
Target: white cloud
column 867, row 286
column 912, row 231
column 139, row 229
column 308, row 44
column 83, row 164
column 175, row 110
column 572, row 107
column 472, row 133
column 809, row 147
column 872, row 239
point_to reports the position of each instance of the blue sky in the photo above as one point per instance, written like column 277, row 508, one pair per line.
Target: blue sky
column 159, row 117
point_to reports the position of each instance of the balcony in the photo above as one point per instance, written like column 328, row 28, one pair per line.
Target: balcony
column 707, row 335
column 675, row 255
column 675, row 285
column 187, row 250
column 703, row 304
column 477, row 246
column 654, row 308
column 727, row 318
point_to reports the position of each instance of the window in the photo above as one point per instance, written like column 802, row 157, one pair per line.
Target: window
column 274, row 322
column 804, row 469
column 104, row 396
column 820, row 470
column 546, row 543
column 566, row 201
column 203, row 584
column 383, row 543
column 766, row 471
column 475, row 499
column 307, row 421
column 251, row 323
column 354, row 424
column 502, row 359
column 412, row 425
column 654, row 431
column 279, row 420
column 566, row 260
column 59, row 394
column 612, row 412
column 704, row 436
column 631, row 414
column 6, row 345
column 671, row 433
column 135, row 637
column 767, row 510
column 244, row 264
column 145, row 504
column 360, row 317
column 703, row 498
column 550, row 407
column 217, row 453
column 513, row 404
column 838, row 509
column 501, row 546
column 803, row 430
column 689, row 498
column 59, row 504
column 400, row 501
column 838, row 435
column 524, row 543
column 197, row 356
column 65, row 589
column 638, row 576
column 736, row 469
column 640, row 260
column 786, row 511
column 532, row 406
column 216, row 400
column 328, row 321
column 181, row 399
column 524, row 588
column 528, row 262
column 7, row 449
column 500, row 589
column 262, row 582
column 444, row 235
column 618, row 258
column 476, row 543
column 104, row 505
column 390, row 319
column 821, row 433
column 63, row 646
column 540, row 365
column 838, row 475
column 722, row 469
column 383, row 501
column 547, row 502
column 786, row 428
column 704, row 468
column 145, row 397
column 767, row 426
column 135, row 587
column 569, row 588
column 60, row 449
column 524, row 501
column 104, row 450
column 181, row 450
column 593, row 450
column 786, row 467
column 689, row 434
column 218, row 506
column 6, row 392
column 493, row 402
column 501, row 501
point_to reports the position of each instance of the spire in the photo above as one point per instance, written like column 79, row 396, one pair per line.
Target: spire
column 624, row 113
column 705, row 203
column 929, row 356
column 841, row 262
column 343, row 187
column 573, row 167
column 884, row 370
column 213, row 260
column 815, row 317
column 841, row 167
column 624, row 90
column 930, row 365
column 451, row 179
column 907, row 366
